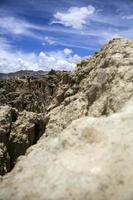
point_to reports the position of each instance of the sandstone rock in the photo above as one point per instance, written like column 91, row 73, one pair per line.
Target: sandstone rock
column 29, row 93
column 25, row 132
column 104, row 82
column 91, row 159
column 18, row 131
column 7, row 116
column 97, row 80
column 4, row 159
column 86, row 149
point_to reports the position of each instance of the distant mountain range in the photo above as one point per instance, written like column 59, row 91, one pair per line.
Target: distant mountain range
column 22, row 73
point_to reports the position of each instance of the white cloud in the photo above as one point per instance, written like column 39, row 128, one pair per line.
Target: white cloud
column 10, row 62
column 60, row 60
column 49, row 41
column 67, row 51
column 14, row 61
column 75, row 17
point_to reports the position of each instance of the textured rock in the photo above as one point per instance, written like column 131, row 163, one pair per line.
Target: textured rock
column 96, row 81
column 18, row 131
column 100, row 86
column 31, row 93
column 87, row 145
column 91, row 159
column 7, row 116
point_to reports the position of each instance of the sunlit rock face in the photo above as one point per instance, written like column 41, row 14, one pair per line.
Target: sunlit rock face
column 86, row 147
column 91, row 159
column 100, row 86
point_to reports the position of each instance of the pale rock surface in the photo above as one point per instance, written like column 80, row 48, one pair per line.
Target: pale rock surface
column 91, row 159
column 87, row 153
column 101, row 85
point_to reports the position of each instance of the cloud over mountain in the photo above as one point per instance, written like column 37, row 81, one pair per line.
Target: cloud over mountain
column 14, row 61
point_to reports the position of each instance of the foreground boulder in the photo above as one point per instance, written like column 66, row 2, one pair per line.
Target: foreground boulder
column 91, row 159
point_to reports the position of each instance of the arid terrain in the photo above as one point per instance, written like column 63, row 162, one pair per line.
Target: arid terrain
column 69, row 135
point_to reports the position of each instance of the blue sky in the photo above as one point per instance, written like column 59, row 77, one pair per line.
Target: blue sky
column 45, row 34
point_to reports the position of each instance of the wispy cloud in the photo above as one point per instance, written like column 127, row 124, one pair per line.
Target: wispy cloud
column 20, row 27
column 13, row 25
column 98, row 28
column 4, row 44
column 75, row 17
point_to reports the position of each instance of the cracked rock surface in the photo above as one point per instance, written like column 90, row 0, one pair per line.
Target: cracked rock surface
column 91, row 159
column 18, row 131
column 84, row 120
column 101, row 85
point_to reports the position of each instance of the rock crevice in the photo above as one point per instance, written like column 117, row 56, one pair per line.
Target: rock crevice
column 18, row 131
column 80, row 125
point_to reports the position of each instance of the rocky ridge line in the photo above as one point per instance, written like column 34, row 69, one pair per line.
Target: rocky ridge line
column 99, row 87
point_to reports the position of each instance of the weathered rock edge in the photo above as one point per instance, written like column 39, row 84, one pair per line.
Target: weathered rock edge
column 100, row 86
column 18, row 131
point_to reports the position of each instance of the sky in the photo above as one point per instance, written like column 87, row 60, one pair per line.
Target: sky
column 58, row 34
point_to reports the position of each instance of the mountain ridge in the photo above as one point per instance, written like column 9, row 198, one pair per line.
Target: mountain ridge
column 22, row 73
column 85, row 117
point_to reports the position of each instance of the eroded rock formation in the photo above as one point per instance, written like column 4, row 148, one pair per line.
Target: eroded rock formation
column 18, row 131
column 86, row 123
column 91, row 159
